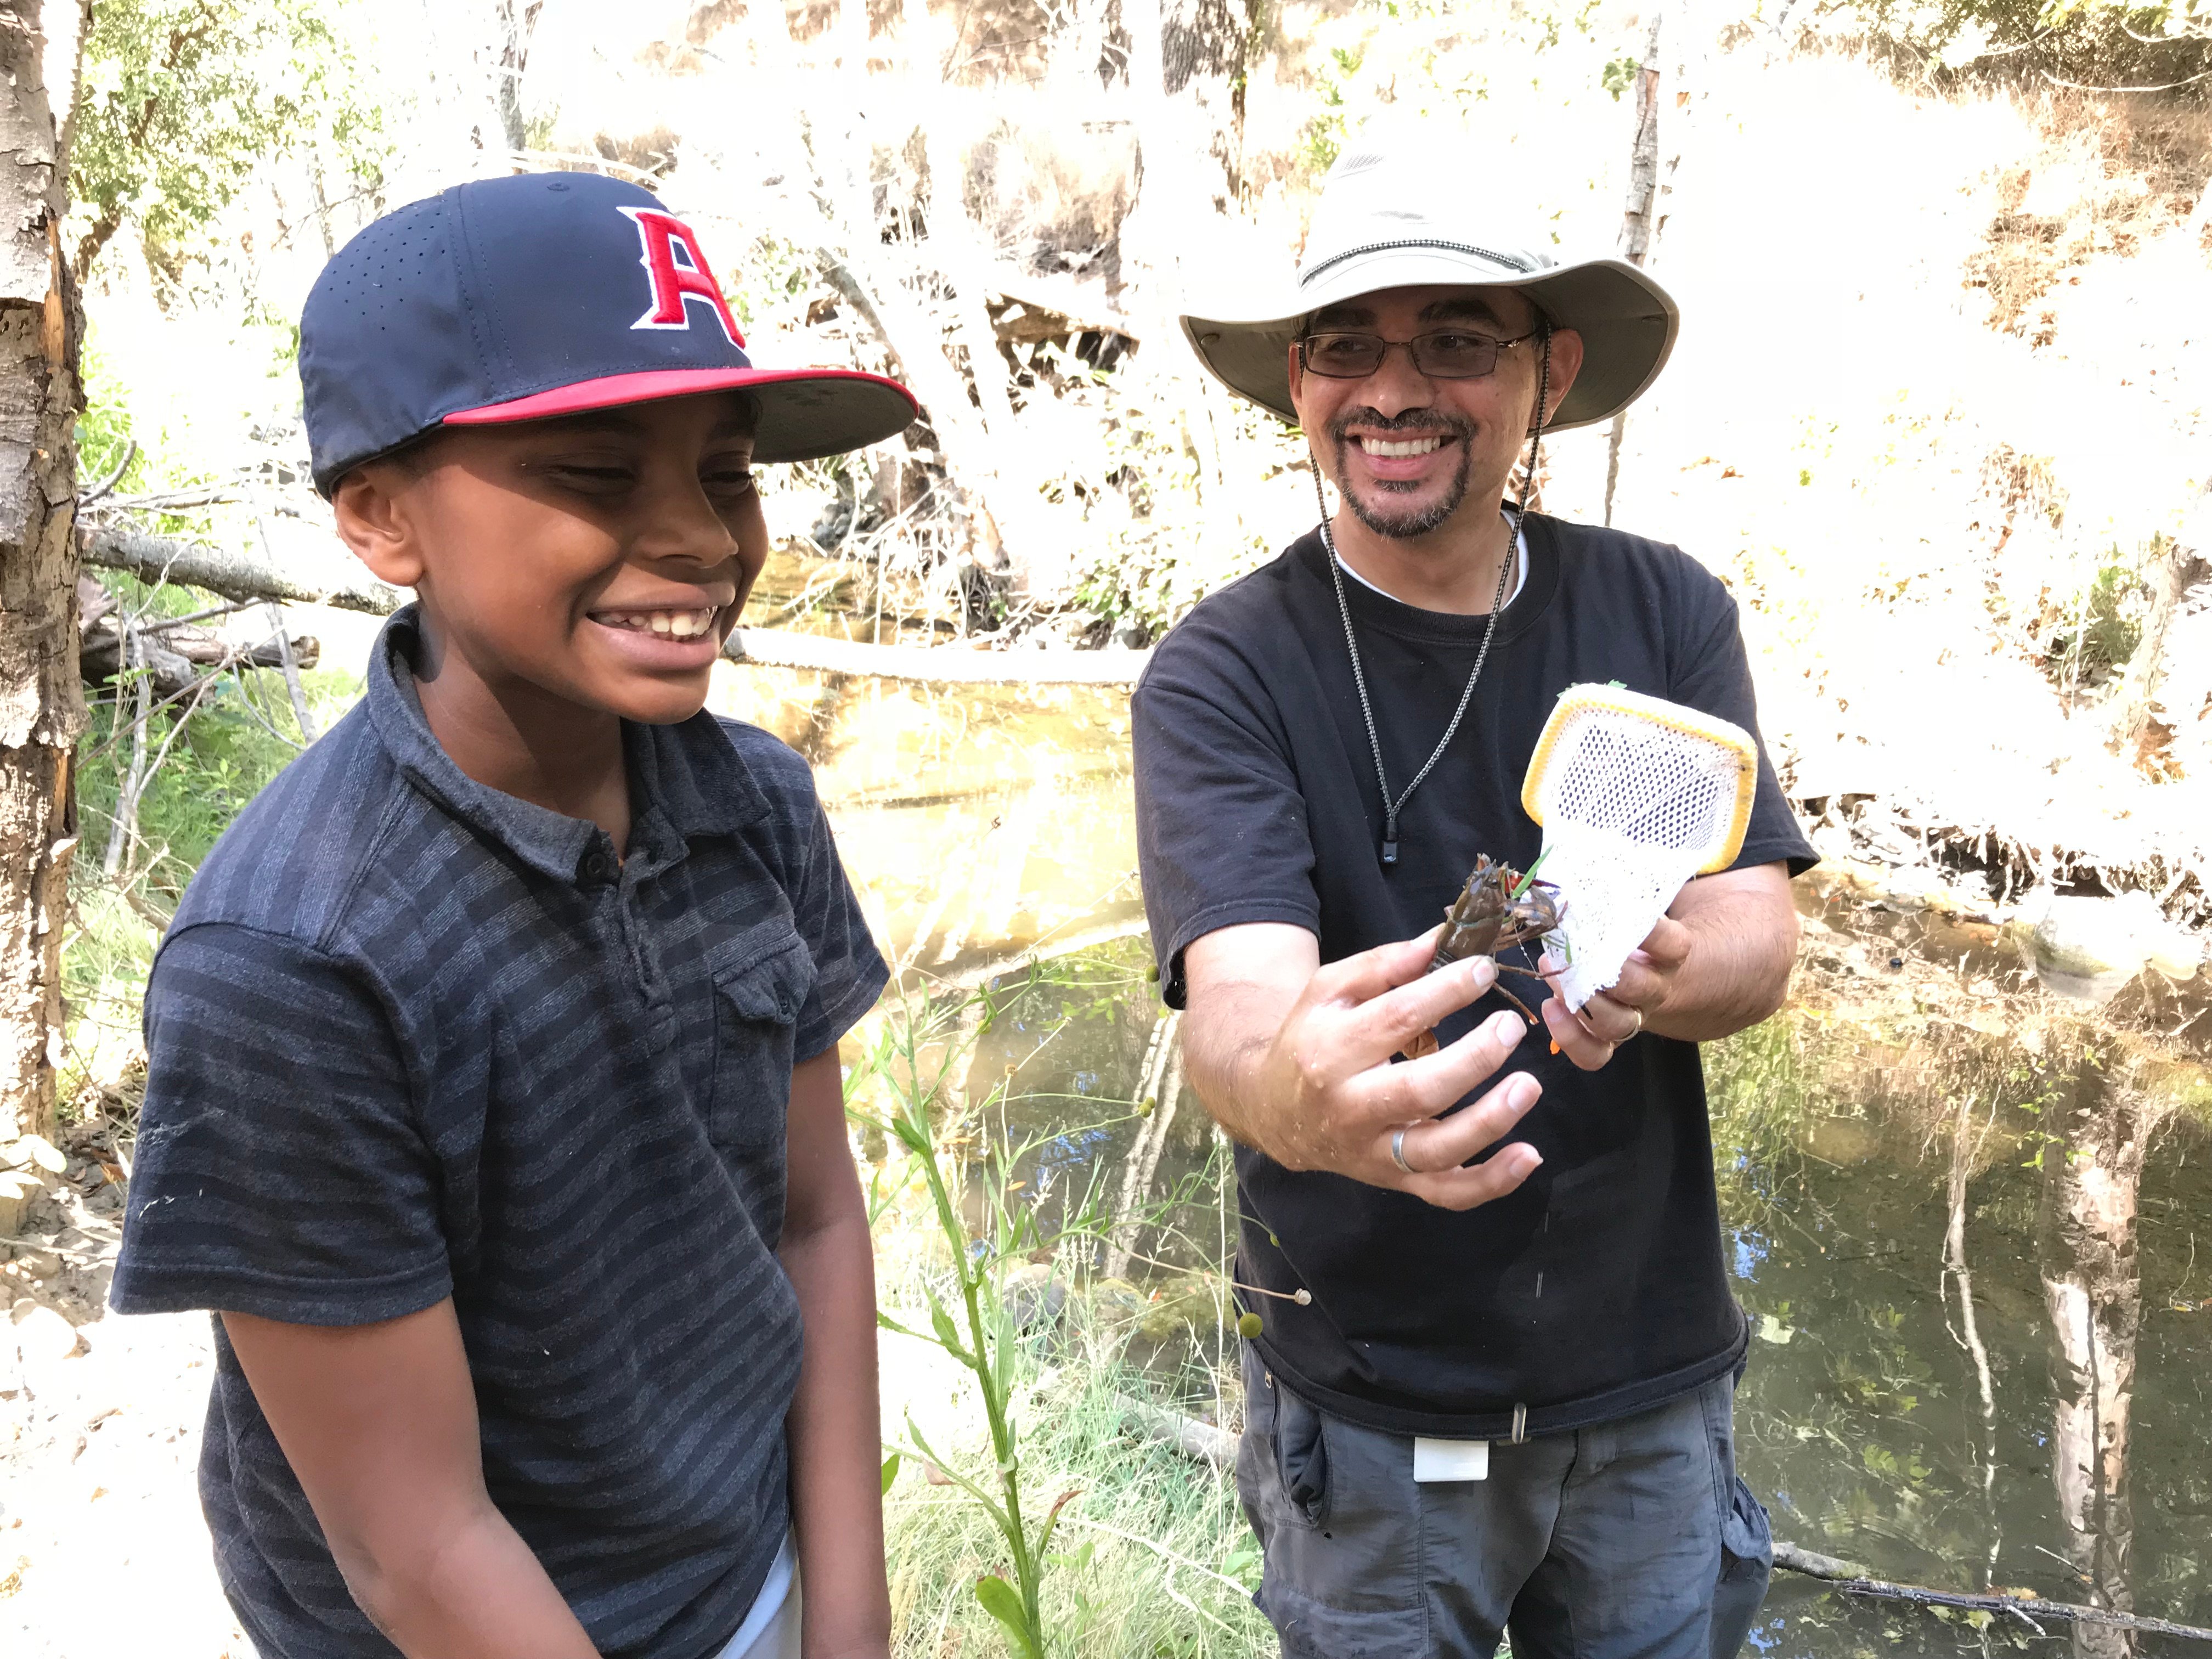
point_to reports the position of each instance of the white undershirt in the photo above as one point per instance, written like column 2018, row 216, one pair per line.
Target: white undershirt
column 1520, row 567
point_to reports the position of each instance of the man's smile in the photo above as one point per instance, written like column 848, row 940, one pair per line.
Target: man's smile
column 1402, row 446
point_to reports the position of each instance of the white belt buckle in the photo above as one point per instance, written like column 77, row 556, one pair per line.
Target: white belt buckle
column 1436, row 1460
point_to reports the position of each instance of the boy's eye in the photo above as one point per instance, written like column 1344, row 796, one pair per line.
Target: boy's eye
column 591, row 475
column 728, row 480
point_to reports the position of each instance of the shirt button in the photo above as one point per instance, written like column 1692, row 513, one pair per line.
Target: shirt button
column 598, row 866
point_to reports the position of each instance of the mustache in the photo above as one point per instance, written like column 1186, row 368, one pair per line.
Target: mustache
column 1413, row 420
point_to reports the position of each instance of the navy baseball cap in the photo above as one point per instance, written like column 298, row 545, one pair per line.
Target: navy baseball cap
column 540, row 295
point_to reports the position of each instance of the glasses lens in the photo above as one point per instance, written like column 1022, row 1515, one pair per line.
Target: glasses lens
column 1344, row 356
column 1455, row 356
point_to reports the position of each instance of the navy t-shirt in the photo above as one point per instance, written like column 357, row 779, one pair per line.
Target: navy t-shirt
column 411, row 1038
column 1597, row 1289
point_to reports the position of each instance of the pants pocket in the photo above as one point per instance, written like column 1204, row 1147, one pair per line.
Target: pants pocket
column 1315, row 1629
column 1747, row 1564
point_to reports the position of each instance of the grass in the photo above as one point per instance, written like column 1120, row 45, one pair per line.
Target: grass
column 230, row 745
column 1022, row 1515
column 1151, row 1555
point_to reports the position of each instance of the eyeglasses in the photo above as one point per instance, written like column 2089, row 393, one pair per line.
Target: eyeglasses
column 1446, row 355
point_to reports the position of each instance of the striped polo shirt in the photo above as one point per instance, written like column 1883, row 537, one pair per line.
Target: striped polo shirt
column 411, row 1038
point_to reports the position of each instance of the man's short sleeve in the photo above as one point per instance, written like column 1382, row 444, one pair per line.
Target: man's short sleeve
column 1714, row 675
column 1222, row 836
column 281, row 1167
column 849, row 973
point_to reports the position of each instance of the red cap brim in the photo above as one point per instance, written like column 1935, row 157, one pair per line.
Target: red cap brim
column 807, row 414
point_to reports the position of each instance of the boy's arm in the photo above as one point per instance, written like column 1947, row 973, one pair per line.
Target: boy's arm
column 379, row 1424
column 836, row 1437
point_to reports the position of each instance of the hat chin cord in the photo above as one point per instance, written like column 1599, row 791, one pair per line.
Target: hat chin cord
column 1392, row 808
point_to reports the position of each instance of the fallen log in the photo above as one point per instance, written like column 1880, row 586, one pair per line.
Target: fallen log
column 1201, row 1442
column 943, row 664
column 233, row 574
column 242, row 576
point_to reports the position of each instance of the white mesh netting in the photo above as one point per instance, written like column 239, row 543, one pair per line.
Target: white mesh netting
column 1636, row 797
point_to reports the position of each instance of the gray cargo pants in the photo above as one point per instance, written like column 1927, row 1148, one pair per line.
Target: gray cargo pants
column 1628, row 1540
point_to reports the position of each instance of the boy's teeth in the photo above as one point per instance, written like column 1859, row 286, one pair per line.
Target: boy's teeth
column 669, row 624
column 1409, row 447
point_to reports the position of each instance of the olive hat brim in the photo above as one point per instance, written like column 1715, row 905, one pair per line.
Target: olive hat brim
column 1627, row 322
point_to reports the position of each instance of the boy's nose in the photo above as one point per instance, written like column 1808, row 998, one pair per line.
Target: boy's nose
column 684, row 524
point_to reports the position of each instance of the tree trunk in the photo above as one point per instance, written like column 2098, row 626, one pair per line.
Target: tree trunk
column 518, row 20
column 41, row 708
column 1640, row 223
column 2172, row 571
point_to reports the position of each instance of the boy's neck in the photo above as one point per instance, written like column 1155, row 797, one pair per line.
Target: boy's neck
column 526, row 741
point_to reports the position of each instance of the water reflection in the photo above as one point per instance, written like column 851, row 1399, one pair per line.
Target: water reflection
column 2102, row 1123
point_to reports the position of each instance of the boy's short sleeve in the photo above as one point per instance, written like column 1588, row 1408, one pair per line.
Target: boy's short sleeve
column 849, row 972
column 281, row 1168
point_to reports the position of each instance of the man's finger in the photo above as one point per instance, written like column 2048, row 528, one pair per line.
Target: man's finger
column 1492, row 1178
column 1384, row 1025
column 1420, row 1089
column 1443, row 1143
column 1362, row 978
column 1667, row 944
column 1575, row 1040
column 1457, row 1187
column 1610, row 1018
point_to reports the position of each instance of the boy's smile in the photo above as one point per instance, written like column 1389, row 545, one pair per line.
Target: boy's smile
column 573, row 573
column 597, row 559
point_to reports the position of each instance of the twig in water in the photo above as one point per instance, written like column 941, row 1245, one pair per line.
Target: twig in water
column 1852, row 1579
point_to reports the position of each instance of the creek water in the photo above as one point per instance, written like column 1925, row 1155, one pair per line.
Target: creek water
column 1970, row 1223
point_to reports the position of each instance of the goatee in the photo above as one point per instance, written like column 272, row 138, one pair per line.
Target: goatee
column 1410, row 521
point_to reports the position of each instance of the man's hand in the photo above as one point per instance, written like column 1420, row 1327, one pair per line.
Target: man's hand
column 1589, row 1036
column 1718, row 960
column 1295, row 1060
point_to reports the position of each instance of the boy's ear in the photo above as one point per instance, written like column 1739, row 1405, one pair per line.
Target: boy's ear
column 373, row 521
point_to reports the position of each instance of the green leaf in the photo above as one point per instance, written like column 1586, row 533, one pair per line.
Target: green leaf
column 890, row 1472
column 1004, row 1603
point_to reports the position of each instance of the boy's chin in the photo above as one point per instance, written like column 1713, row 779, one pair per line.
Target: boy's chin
column 661, row 702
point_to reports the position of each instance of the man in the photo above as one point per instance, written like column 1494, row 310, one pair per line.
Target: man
column 1504, row 1398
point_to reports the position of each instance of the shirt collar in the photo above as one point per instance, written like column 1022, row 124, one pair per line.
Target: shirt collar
column 688, row 773
column 1520, row 565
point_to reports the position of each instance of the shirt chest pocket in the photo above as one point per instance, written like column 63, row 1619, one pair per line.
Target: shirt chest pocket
column 761, row 981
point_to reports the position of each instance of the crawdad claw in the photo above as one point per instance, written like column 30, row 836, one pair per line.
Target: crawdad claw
column 1498, row 908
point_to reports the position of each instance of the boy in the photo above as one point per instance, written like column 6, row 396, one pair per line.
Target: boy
column 493, row 1098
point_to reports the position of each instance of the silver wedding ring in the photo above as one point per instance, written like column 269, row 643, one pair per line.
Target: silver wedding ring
column 1398, row 1151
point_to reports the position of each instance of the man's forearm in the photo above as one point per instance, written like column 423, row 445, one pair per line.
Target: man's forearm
column 1221, row 1054
column 836, row 1437
column 1744, row 946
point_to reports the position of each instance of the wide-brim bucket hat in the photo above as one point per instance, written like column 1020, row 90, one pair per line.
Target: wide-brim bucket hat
column 541, row 295
column 1392, row 216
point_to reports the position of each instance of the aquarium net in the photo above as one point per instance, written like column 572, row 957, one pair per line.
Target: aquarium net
column 1636, row 795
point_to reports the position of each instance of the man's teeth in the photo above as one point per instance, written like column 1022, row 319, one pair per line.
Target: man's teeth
column 669, row 624
column 1409, row 447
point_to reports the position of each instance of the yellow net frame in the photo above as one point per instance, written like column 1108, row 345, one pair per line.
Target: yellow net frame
column 1578, row 700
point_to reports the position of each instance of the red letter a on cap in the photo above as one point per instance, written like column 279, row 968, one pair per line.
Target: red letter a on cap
column 677, row 281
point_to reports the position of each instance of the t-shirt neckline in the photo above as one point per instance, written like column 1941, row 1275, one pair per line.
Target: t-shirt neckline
column 1520, row 568
column 1373, row 608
